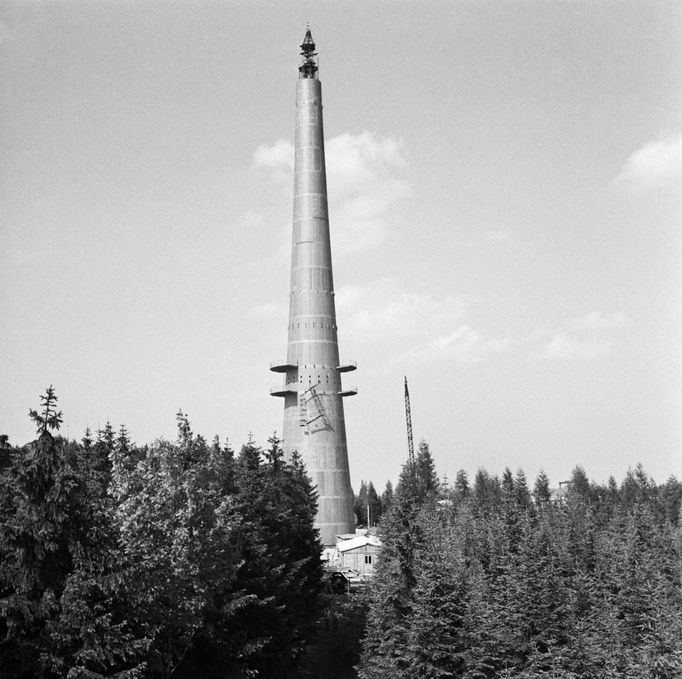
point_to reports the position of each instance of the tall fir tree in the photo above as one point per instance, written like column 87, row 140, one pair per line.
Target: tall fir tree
column 387, row 498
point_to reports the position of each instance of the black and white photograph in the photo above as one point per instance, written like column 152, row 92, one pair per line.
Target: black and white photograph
column 341, row 340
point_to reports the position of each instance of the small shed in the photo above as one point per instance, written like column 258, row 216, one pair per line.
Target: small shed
column 359, row 553
column 559, row 495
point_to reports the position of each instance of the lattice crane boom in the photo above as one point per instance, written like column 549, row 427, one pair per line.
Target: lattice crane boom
column 408, row 418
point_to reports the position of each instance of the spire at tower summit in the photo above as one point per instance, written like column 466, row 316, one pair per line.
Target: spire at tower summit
column 308, row 67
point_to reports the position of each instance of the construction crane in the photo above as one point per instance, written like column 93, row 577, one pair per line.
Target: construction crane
column 408, row 417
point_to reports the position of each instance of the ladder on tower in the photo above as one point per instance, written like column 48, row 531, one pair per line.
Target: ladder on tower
column 302, row 410
column 308, row 415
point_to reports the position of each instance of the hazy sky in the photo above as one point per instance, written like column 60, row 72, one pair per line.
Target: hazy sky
column 504, row 183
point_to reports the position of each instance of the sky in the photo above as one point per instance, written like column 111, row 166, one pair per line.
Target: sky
column 505, row 184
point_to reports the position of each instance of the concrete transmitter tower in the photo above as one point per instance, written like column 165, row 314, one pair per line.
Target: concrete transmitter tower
column 313, row 397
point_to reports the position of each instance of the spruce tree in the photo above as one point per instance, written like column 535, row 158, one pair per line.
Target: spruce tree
column 508, row 496
column 374, row 504
column 541, row 492
column 360, row 505
column 462, row 489
column 387, row 498
column 521, row 493
column 47, row 530
column 435, row 622
column 49, row 418
column 390, row 598
column 425, row 468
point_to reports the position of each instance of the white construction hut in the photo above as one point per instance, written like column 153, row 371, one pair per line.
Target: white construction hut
column 359, row 553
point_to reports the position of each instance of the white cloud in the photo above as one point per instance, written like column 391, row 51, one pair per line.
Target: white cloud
column 568, row 346
column 279, row 154
column 354, row 161
column 363, row 180
column 599, row 320
column 586, row 337
column 381, row 310
column 462, row 337
column 463, row 345
column 409, row 327
column 497, row 345
column 658, row 164
column 278, row 159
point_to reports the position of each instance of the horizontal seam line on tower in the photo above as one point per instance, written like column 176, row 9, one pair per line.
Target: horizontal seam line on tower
column 309, row 341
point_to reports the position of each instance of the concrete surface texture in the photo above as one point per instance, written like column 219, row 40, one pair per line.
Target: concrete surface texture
column 313, row 395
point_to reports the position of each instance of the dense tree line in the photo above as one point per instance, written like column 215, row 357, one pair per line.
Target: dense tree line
column 172, row 559
column 494, row 579
column 369, row 506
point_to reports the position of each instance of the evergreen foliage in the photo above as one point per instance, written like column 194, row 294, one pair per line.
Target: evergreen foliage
column 386, row 498
column 360, row 505
column 50, row 418
column 374, row 504
column 180, row 559
column 368, row 505
column 172, row 559
column 391, row 599
column 505, row 582
column 461, row 487
column 427, row 479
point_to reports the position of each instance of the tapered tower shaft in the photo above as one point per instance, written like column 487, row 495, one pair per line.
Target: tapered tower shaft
column 313, row 396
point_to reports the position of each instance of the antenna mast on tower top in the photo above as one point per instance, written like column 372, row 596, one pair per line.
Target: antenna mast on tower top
column 308, row 67
column 408, row 418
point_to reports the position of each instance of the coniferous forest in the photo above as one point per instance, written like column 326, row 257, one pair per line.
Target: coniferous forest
column 496, row 579
column 184, row 559
column 174, row 559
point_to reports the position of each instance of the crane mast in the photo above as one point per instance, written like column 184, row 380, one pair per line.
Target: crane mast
column 408, row 418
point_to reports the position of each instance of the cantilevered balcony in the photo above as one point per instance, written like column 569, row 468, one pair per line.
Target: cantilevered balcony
column 277, row 367
column 347, row 367
column 286, row 390
column 348, row 391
